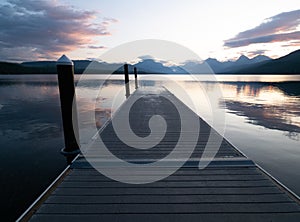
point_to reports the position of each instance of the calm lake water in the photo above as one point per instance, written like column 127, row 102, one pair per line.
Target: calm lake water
column 262, row 116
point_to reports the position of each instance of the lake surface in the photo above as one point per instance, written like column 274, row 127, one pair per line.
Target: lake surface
column 261, row 114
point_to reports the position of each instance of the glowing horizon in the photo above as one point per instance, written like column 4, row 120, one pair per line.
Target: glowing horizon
column 84, row 30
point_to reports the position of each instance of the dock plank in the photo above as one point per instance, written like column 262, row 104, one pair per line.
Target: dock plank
column 170, row 191
column 176, row 198
column 156, row 208
column 176, row 217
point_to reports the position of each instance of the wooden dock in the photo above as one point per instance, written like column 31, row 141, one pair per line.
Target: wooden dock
column 231, row 188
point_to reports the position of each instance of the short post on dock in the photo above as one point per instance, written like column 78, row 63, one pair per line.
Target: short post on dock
column 135, row 77
column 126, row 73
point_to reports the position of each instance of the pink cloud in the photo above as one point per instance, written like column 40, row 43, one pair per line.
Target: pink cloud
column 279, row 28
column 46, row 29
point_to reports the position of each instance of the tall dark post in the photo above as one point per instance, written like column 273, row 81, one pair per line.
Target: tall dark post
column 135, row 78
column 126, row 80
column 65, row 71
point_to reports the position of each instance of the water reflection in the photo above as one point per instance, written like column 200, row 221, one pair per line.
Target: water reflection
column 31, row 135
column 31, row 130
column 30, row 139
column 265, row 105
column 289, row 88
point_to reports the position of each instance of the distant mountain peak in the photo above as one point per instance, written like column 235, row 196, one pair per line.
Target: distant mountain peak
column 243, row 58
column 288, row 64
column 260, row 64
column 211, row 59
column 153, row 66
column 260, row 58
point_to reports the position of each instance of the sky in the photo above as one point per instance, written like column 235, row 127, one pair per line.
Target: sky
column 44, row 30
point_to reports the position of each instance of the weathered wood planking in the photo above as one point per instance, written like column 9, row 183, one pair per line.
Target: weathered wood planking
column 231, row 188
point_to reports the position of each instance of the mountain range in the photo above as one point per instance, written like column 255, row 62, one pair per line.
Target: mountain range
column 289, row 64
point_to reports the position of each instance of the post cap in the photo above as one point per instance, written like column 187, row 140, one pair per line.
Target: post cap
column 64, row 60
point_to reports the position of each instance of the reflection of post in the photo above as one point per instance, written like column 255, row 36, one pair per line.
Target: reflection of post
column 135, row 78
column 126, row 80
column 65, row 71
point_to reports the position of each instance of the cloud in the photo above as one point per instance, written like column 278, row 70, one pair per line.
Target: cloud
column 32, row 29
column 96, row 47
column 145, row 57
column 292, row 43
column 256, row 52
column 279, row 28
column 107, row 21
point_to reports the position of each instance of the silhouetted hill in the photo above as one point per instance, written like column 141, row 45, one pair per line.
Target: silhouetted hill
column 81, row 65
column 10, row 68
column 230, row 66
column 150, row 66
column 243, row 60
column 289, row 64
column 260, row 58
column 216, row 65
column 39, row 67
column 46, row 67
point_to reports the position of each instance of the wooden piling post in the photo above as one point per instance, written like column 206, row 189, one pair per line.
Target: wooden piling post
column 65, row 71
column 126, row 73
column 135, row 78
